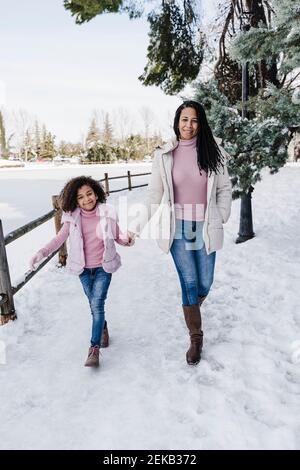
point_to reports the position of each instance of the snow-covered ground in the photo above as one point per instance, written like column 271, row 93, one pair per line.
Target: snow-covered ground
column 245, row 393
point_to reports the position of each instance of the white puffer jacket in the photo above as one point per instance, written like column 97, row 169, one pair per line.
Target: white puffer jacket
column 160, row 196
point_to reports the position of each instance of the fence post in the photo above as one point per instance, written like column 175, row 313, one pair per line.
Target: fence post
column 106, row 183
column 129, row 180
column 62, row 254
column 8, row 308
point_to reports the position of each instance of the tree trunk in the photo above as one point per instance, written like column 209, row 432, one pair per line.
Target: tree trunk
column 246, row 225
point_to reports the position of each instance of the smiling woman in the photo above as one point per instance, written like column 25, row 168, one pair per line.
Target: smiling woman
column 188, row 124
column 191, row 185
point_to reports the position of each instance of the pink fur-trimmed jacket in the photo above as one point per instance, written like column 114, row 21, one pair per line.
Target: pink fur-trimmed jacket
column 110, row 233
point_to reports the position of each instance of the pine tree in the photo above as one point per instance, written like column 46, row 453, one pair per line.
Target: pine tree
column 263, row 141
column 37, row 139
column 48, row 150
column 176, row 50
column 101, row 153
column 28, row 147
column 107, row 134
column 93, row 136
column 50, row 146
column 252, row 144
column 176, row 47
column 63, row 148
column 280, row 39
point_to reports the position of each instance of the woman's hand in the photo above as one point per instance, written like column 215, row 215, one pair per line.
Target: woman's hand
column 131, row 238
column 35, row 260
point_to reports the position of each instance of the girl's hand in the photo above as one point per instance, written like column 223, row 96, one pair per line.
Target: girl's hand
column 35, row 260
column 131, row 238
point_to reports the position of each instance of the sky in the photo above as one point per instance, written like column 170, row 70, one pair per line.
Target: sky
column 61, row 72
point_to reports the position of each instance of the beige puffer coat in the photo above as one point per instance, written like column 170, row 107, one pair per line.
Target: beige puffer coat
column 160, row 196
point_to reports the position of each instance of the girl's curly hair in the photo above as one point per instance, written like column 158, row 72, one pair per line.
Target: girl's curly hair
column 68, row 195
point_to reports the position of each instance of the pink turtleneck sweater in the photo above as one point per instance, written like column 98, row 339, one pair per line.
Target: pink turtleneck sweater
column 93, row 245
column 190, row 187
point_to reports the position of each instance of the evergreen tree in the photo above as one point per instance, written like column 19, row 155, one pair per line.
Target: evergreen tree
column 28, row 147
column 48, row 149
column 279, row 39
column 107, row 134
column 85, row 10
column 93, row 136
column 237, row 16
column 77, row 149
column 37, row 139
column 101, row 153
column 252, row 144
column 63, row 148
column 175, row 51
column 69, row 149
column 177, row 43
column 176, row 48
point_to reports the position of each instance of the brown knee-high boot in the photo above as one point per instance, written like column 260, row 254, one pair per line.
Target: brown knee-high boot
column 192, row 317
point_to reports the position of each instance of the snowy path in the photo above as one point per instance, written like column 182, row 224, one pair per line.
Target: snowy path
column 245, row 393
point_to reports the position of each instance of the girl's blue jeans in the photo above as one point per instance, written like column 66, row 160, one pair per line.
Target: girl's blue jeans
column 95, row 282
column 194, row 266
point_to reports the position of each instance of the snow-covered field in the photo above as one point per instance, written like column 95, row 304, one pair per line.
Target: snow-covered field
column 25, row 193
column 245, row 393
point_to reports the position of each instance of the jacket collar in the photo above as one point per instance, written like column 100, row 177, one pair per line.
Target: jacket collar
column 103, row 210
column 173, row 143
column 71, row 217
column 169, row 146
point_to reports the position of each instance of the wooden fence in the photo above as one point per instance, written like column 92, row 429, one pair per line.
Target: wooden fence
column 7, row 291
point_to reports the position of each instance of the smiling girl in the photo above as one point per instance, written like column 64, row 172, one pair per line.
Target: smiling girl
column 92, row 228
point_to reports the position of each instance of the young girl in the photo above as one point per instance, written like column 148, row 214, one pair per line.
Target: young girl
column 92, row 229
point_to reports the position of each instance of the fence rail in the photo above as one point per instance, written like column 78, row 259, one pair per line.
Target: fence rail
column 19, row 232
column 7, row 291
column 29, row 274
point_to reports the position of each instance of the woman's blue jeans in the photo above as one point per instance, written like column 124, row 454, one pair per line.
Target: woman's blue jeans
column 194, row 266
column 95, row 282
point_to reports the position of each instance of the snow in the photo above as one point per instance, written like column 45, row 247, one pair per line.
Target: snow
column 243, row 395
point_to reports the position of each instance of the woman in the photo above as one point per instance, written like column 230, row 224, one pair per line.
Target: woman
column 190, row 184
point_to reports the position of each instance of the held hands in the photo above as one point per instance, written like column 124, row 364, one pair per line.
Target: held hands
column 35, row 260
column 131, row 238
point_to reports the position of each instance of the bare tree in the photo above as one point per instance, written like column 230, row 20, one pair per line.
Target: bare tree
column 21, row 122
column 123, row 123
column 147, row 117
